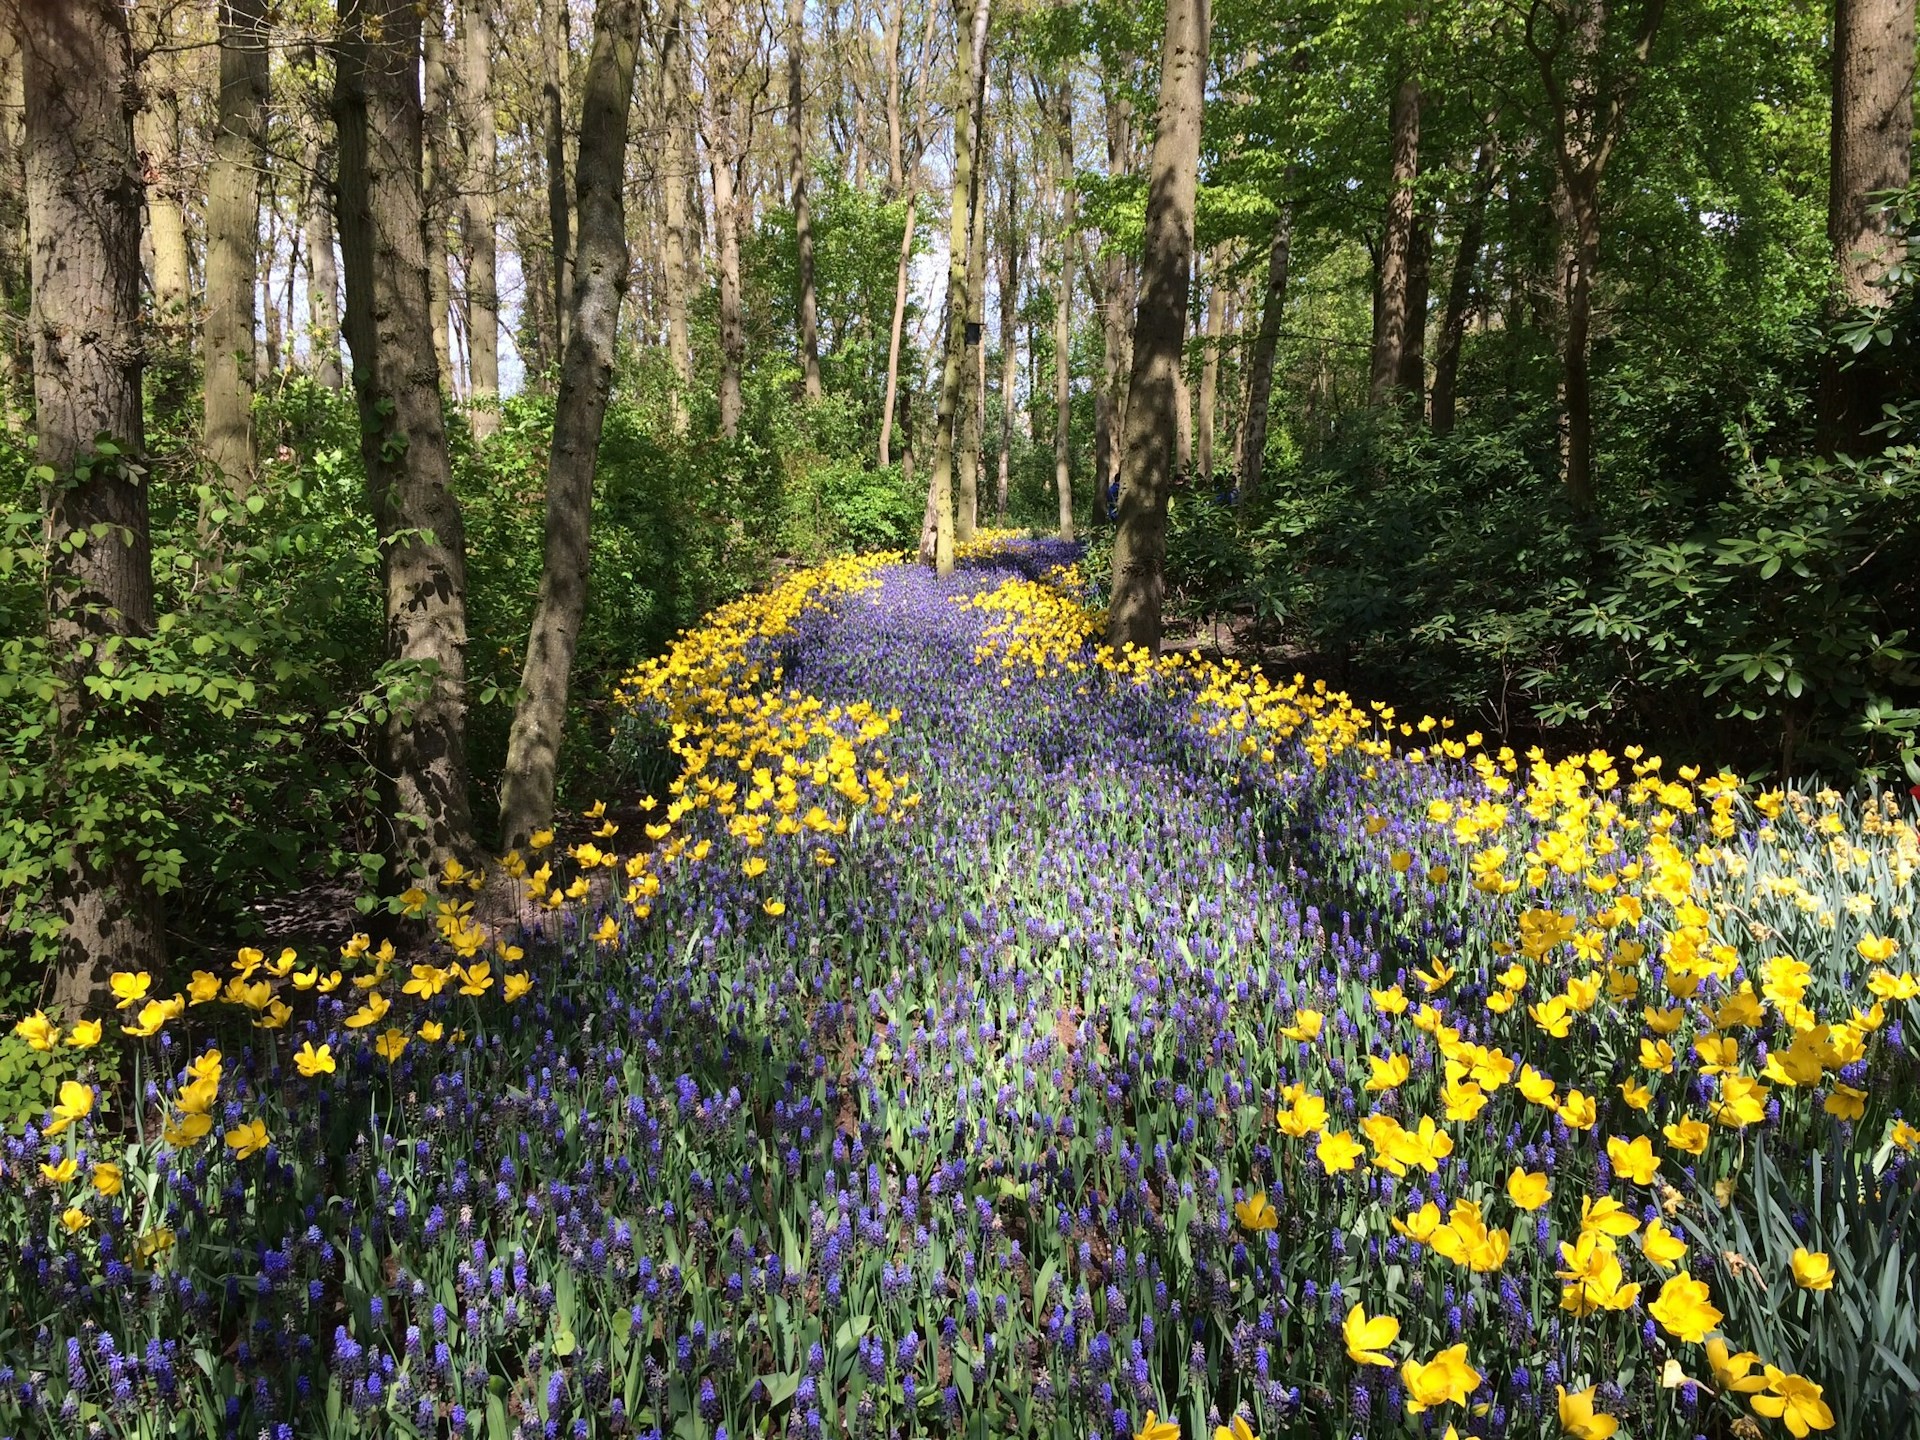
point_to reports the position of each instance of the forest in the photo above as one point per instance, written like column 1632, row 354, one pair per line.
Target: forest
column 908, row 718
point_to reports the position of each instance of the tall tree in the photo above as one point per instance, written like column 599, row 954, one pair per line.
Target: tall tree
column 554, row 18
column 1210, row 362
column 586, row 379
column 479, row 179
column 797, row 192
column 323, row 272
column 156, row 131
column 233, row 240
column 1871, row 153
column 972, row 442
column 403, row 440
column 83, row 208
column 1116, row 309
column 723, row 155
column 16, row 362
column 441, row 178
column 1062, row 118
column 675, row 89
column 1588, row 99
column 1008, row 256
column 1394, row 332
column 1134, row 615
column 970, row 81
column 903, row 181
column 1443, row 404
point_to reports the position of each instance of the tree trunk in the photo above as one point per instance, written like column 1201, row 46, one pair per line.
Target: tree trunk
column 553, row 90
column 1009, row 259
column 1159, row 335
column 1577, row 207
column 437, row 142
column 972, row 443
column 156, row 128
column 1116, row 310
column 674, row 95
column 1273, row 305
column 904, row 180
column 586, row 379
column 233, row 243
column 323, row 273
column 1210, row 365
column 83, row 208
column 1871, row 143
column 1412, row 380
column 802, row 214
column 970, row 83
column 403, row 441
column 1461, row 284
column 722, row 156
column 1393, row 334
column 16, row 364
column 900, row 279
column 478, row 181
column 896, row 154
column 1063, row 310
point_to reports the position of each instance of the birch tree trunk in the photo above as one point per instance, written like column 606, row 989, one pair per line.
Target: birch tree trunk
column 797, row 191
column 403, row 441
column 586, row 379
column 478, row 181
column 233, row 243
column 1134, row 615
column 83, row 208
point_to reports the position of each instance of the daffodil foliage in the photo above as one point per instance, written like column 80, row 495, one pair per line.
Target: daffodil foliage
column 990, row 1035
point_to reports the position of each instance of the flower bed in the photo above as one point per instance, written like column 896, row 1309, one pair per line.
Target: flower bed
column 994, row 1036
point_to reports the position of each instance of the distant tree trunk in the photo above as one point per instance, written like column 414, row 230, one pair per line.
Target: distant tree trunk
column 1063, row 310
column 674, row 97
column 802, row 213
column 553, row 91
column 233, row 242
column 323, row 273
column 1009, row 259
column 1460, row 292
column 1253, row 434
column 1159, row 334
column 1871, row 153
column 440, row 181
column 1203, row 422
column 1117, row 310
column 903, row 181
column 896, row 153
column 16, row 361
column 403, row 440
column 972, row 442
column 722, row 156
column 83, row 209
column 156, row 128
column 899, row 324
column 970, row 81
column 1393, row 334
column 477, row 217
column 1412, row 381
column 586, row 379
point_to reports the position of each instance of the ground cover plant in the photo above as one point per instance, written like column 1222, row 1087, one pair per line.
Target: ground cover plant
column 989, row 1035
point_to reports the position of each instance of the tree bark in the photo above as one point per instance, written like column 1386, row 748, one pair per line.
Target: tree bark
column 403, row 441
column 1412, row 380
column 440, row 181
column 553, row 32
column 16, row 363
column 1063, row 311
column 83, row 206
column 1117, row 295
column 1273, row 305
column 722, row 156
column 797, row 189
column 675, row 90
column 156, row 129
column 899, row 324
column 973, row 362
column 971, row 81
column 479, row 179
column 233, row 242
column 1159, row 335
column 1393, row 334
column 896, row 156
column 1871, row 139
column 323, row 274
column 586, row 379
column 904, row 178
column 1461, row 284
column 1009, row 260
column 1210, row 364
column 1871, row 150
